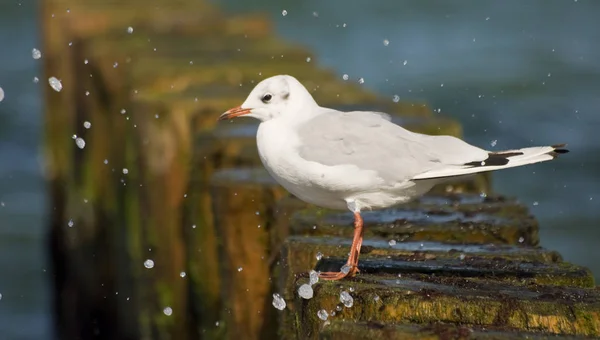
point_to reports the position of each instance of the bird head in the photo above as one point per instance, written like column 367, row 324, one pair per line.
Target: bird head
column 272, row 98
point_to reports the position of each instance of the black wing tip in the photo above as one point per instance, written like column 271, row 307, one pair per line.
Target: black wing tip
column 558, row 149
column 494, row 159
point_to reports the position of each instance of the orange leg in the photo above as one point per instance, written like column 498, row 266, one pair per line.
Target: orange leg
column 352, row 263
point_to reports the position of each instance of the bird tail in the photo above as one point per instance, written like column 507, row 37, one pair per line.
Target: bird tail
column 498, row 160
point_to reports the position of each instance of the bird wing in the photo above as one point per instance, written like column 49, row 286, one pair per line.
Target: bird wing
column 370, row 141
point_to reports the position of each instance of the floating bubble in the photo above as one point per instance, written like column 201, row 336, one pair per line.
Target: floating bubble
column 278, row 302
column 313, row 277
column 346, row 299
column 305, row 291
column 80, row 142
column 322, row 314
column 55, row 84
column 36, row 54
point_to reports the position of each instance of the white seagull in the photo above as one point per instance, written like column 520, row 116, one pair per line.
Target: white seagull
column 358, row 160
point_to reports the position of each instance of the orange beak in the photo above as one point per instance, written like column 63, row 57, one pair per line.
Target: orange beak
column 235, row 112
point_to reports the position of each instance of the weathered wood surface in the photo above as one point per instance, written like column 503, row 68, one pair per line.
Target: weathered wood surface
column 166, row 205
column 347, row 330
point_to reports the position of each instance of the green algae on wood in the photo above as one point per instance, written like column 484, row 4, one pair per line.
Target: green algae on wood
column 347, row 330
column 242, row 209
column 545, row 309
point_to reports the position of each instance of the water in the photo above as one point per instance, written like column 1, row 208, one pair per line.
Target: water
column 24, row 283
column 513, row 72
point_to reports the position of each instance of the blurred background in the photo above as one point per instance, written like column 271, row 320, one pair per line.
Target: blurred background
column 513, row 73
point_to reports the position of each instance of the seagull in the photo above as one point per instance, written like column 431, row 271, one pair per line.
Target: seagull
column 358, row 160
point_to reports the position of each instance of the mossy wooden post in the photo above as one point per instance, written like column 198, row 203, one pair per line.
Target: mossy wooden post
column 227, row 146
column 243, row 202
column 83, row 236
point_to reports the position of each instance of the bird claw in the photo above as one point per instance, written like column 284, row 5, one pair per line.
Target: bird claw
column 334, row 276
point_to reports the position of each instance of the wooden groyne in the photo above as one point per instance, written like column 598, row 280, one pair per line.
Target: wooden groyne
column 165, row 226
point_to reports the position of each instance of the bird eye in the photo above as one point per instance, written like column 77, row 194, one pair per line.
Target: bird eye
column 267, row 98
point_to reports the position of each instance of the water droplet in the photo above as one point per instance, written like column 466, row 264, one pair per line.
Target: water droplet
column 123, row 111
column 240, row 269
column 536, row 203
column 182, row 274
column 80, row 142
column 392, row 243
column 361, row 80
column 396, row 98
column 284, row 12
column 106, row 161
column 386, row 42
column 149, row 264
column 129, row 29
column 36, row 54
column 494, row 142
column 278, row 301
column 313, row 277
column 319, row 256
column 521, row 239
column 71, row 223
column 86, row 61
column 322, row 314
column 125, row 171
column 316, row 14
column 305, row 291
column 1, row 94
column 115, row 65
column 36, row 80
column 168, row 311
column 405, row 62
column 462, row 257
column 55, row 84
column 346, row 299
column 87, row 124
column 308, row 59
column 345, row 77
